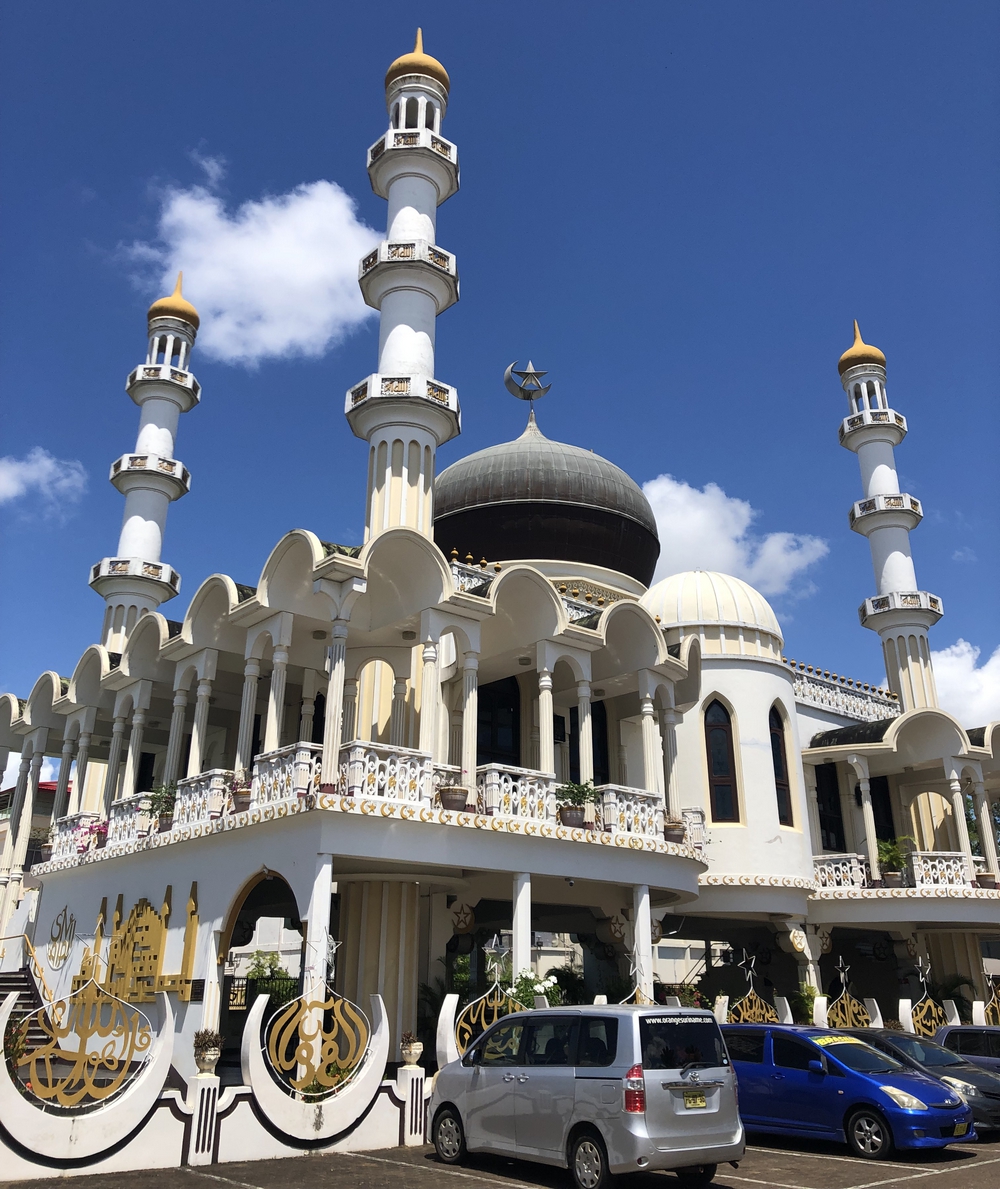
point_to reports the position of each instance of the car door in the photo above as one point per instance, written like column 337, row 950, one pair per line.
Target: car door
column 545, row 1086
column 746, row 1051
column 489, row 1100
column 802, row 1099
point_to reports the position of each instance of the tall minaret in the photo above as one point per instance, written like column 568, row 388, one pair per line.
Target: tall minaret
column 900, row 613
column 135, row 581
column 403, row 411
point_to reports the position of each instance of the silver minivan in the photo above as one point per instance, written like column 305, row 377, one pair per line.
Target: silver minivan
column 597, row 1089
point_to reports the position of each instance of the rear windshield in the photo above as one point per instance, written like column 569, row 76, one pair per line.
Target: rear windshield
column 925, row 1051
column 677, row 1041
column 857, row 1055
column 973, row 1043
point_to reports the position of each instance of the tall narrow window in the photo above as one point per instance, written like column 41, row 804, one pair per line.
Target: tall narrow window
column 831, row 818
column 781, row 789
column 721, row 763
column 412, row 111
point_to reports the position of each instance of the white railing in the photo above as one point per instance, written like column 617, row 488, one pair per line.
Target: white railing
column 623, row 810
column 393, row 773
column 286, row 774
column 939, row 869
column 201, row 798
column 516, row 792
column 128, row 821
column 842, row 695
column 841, row 871
column 69, row 835
column 444, row 776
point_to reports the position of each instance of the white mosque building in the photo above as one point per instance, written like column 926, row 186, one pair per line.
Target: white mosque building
column 367, row 744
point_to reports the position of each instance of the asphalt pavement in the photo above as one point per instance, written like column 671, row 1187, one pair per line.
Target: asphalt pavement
column 768, row 1164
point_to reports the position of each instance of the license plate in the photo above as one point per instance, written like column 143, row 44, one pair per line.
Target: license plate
column 960, row 1128
column 693, row 1101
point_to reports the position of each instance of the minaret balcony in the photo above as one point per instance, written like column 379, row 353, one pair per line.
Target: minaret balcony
column 872, row 425
column 900, row 607
column 145, row 470
column 435, row 401
column 407, row 150
column 150, row 380
column 106, row 577
column 886, row 511
column 416, row 264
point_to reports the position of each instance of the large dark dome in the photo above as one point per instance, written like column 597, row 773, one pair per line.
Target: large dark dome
column 533, row 498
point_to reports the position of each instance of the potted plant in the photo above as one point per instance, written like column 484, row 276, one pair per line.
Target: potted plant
column 411, row 1048
column 98, row 831
column 207, row 1049
column 892, row 861
column 986, row 879
column 572, row 799
column 240, row 791
column 454, row 798
column 673, row 829
column 47, row 849
column 161, row 805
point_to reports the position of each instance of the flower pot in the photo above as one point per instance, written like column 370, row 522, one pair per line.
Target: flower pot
column 207, row 1059
column 165, row 823
column 102, row 841
column 453, row 799
column 986, row 879
column 241, row 801
column 571, row 816
column 892, row 879
column 411, row 1052
column 46, row 851
column 673, row 833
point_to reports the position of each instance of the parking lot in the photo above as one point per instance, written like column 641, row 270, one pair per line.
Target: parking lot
column 772, row 1164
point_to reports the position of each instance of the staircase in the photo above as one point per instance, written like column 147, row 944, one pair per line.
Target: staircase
column 28, row 1000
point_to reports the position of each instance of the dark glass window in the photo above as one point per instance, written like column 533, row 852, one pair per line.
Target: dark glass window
column 970, row 1044
column 831, row 818
column 499, row 723
column 412, row 111
column 144, row 781
column 319, row 718
column 598, row 1041
column 745, row 1046
column 721, row 764
column 792, row 1053
column 674, row 1041
column 781, row 789
column 500, row 1047
column 550, row 1041
column 599, row 733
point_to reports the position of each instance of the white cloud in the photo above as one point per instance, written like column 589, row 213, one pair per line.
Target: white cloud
column 58, row 483
column 969, row 692
column 276, row 277
column 709, row 530
column 49, row 770
column 964, row 554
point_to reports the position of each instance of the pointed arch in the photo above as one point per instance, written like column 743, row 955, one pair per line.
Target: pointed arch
column 777, row 727
column 721, row 753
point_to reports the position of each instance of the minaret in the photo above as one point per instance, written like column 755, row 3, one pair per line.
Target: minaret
column 403, row 411
column 135, row 581
column 900, row 613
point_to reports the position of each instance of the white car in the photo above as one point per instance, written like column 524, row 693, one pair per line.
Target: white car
column 600, row 1090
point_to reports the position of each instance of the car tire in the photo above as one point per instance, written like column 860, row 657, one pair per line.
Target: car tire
column 588, row 1161
column 449, row 1137
column 698, row 1176
column 869, row 1135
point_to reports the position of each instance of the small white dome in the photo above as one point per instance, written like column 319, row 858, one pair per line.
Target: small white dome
column 738, row 619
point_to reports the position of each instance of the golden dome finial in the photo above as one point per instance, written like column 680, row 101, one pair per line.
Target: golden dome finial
column 859, row 352
column 175, row 306
column 418, row 63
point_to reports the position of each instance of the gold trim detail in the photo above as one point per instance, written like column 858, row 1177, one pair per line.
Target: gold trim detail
column 316, row 1044
column 483, row 1013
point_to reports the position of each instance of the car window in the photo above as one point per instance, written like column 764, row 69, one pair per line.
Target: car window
column 502, row 1044
column 677, row 1041
column 598, row 1041
column 745, row 1046
column 857, row 1055
column 925, row 1051
column 971, row 1044
column 549, row 1041
column 792, row 1053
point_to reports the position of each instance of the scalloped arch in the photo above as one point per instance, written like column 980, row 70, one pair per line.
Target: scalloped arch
column 525, row 609
column 206, row 621
column 286, row 581
column 406, row 574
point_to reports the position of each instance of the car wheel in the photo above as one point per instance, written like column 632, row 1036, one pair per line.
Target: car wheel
column 449, row 1137
column 696, row 1177
column 869, row 1135
column 588, row 1162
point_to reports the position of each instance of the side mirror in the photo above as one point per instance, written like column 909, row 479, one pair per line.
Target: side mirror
column 472, row 1058
column 816, row 1067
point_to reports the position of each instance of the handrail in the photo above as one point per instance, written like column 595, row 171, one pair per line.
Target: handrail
column 49, row 997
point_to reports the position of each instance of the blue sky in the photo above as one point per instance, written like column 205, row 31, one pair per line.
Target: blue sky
column 676, row 209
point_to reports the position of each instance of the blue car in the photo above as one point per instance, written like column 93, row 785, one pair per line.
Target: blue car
column 822, row 1084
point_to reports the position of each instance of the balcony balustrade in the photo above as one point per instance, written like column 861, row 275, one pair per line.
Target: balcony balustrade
column 286, row 774
column 392, row 773
column 939, row 869
column 841, row 871
column 202, row 798
column 624, row 810
column 516, row 792
column 128, row 821
column 70, row 836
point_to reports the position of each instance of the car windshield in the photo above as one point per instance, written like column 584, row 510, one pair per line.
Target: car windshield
column 926, row 1052
column 857, row 1055
column 676, row 1042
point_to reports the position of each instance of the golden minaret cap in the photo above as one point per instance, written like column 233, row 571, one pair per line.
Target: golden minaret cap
column 175, row 306
column 859, row 352
column 418, row 63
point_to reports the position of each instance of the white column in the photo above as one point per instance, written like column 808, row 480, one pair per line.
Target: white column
column 20, row 791
column 650, row 757
column 871, row 838
column 22, row 825
column 812, row 805
column 586, row 731
column 200, row 726
column 642, row 940
column 961, row 824
column 987, row 831
column 82, row 759
column 318, row 923
column 521, row 924
column 429, row 696
column 308, row 712
column 546, row 729
column 668, row 737
column 114, row 762
column 248, row 711
column 470, row 722
column 62, row 784
column 334, row 705
column 349, row 722
column 276, row 699
column 175, row 740
column 397, row 715
column 134, row 752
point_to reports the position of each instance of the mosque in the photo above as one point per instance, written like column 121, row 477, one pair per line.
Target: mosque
column 362, row 761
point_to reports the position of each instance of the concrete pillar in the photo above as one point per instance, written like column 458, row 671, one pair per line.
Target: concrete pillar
column 668, row 738
column 586, row 730
column 114, row 761
column 175, row 740
column 521, row 924
column 276, row 699
column 397, row 715
column 961, row 824
column 20, row 792
column 337, row 654
column 546, row 730
column 134, row 752
column 22, row 825
column 82, row 760
column 200, row 728
column 812, row 806
column 429, row 696
column 868, row 817
column 318, row 924
column 248, row 711
column 470, row 721
column 62, row 784
column 987, row 830
column 349, row 722
column 308, row 711
column 651, row 760
column 642, row 940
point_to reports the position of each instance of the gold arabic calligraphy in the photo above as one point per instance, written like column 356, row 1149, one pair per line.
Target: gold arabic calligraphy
column 316, row 1044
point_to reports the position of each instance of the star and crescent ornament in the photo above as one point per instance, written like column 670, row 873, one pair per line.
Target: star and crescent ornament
column 748, row 966
column 531, row 387
column 496, row 954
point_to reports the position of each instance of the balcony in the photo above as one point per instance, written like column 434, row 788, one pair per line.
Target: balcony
column 925, row 869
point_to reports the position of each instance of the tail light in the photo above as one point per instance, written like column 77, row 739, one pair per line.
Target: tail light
column 635, row 1091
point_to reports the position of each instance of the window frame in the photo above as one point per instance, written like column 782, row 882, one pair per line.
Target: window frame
column 776, row 728
column 714, row 780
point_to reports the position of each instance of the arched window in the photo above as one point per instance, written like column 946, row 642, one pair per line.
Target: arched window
column 781, row 788
column 721, row 764
column 412, row 111
column 395, row 115
column 429, row 113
